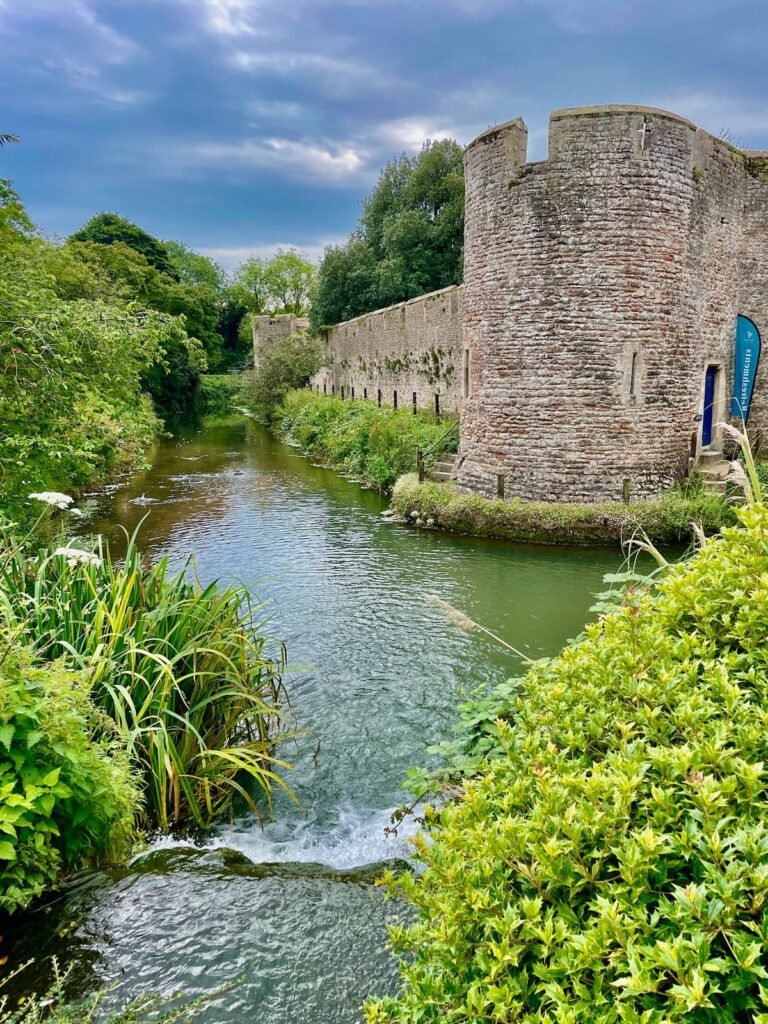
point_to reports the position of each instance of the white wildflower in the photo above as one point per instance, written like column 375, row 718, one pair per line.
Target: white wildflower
column 55, row 498
column 430, row 522
column 76, row 556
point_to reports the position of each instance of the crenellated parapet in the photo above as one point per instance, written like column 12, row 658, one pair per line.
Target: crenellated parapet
column 600, row 286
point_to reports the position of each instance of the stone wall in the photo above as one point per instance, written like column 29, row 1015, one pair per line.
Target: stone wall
column 599, row 284
column 754, row 277
column 405, row 353
column 269, row 329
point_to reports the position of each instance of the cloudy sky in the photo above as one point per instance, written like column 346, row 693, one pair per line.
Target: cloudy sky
column 237, row 126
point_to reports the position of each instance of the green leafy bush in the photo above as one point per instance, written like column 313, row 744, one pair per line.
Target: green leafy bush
column 376, row 445
column 666, row 521
column 283, row 365
column 67, row 797
column 181, row 669
column 612, row 864
column 219, row 393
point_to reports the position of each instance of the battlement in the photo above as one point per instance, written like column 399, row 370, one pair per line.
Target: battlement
column 613, row 132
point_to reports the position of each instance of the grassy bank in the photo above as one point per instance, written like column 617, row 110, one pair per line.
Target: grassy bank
column 375, row 445
column 608, row 864
column 665, row 521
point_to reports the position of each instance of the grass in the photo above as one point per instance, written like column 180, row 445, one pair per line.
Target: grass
column 357, row 437
column 666, row 521
column 182, row 670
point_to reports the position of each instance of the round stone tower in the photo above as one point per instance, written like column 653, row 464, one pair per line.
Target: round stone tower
column 582, row 305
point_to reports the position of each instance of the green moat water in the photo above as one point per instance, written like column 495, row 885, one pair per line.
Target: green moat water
column 380, row 668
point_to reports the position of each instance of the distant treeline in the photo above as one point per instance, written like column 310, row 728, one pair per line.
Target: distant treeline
column 409, row 239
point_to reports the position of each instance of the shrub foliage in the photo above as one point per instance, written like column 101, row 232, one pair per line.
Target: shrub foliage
column 182, row 671
column 376, row 445
column 286, row 364
column 612, row 864
column 67, row 795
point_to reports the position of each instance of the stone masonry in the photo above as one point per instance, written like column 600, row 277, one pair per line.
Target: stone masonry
column 403, row 354
column 600, row 285
column 269, row 329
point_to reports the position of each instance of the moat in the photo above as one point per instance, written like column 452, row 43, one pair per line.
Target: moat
column 378, row 672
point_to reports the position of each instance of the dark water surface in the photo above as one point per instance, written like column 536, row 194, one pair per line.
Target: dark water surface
column 292, row 907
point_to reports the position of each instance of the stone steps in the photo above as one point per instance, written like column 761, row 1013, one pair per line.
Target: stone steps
column 442, row 470
column 713, row 469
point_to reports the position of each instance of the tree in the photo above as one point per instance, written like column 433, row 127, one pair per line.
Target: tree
column 107, row 228
column 289, row 278
column 347, row 284
column 193, row 268
column 250, row 285
column 281, row 284
column 409, row 240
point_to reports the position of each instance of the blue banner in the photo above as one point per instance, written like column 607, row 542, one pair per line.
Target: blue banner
column 744, row 366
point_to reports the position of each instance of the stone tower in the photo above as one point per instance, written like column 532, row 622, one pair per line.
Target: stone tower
column 601, row 288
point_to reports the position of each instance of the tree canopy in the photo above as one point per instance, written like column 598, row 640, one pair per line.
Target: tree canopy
column 409, row 240
column 281, row 284
column 107, row 228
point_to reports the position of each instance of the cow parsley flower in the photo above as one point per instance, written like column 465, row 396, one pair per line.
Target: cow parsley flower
column 76, row 556
column 55, row 498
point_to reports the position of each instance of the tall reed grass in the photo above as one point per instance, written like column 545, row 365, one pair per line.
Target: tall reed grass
column 182, row 669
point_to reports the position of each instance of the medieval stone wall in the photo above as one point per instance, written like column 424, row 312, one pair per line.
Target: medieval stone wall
column 269, row 329
column 754, row 278
column 408, row 352
column 599, row 284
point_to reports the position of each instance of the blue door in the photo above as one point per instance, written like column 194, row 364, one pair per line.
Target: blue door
column 709, row 406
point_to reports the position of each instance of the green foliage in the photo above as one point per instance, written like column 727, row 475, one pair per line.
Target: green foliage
column 182, row 670
column 107, row 228
column 67, row 797
column 193, row 268
column 376, row 445
column 611, row 864
column 409, row 241
column 219, row 393
column 667, row 520
column 71, row 407
column 283, row 365
column 278, row 285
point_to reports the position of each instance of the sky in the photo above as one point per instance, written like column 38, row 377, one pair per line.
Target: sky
column 239, row 126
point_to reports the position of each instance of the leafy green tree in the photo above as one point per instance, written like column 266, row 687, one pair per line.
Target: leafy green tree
column 289, row 278
column 193, row 268
column 250, row 287
column 347, row 283
column 107, row 228
column 409, row 240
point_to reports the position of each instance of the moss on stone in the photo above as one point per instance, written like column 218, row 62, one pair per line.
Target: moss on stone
column 667, row 520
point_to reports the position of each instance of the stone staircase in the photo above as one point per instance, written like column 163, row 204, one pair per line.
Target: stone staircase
column 442, row 470
column 713, row 468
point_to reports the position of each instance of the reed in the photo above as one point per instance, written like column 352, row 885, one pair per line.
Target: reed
column 183, row 670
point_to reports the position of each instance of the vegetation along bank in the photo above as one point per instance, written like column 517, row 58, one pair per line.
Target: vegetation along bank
column 666, row 521
column 607, row 861
column 357, row 437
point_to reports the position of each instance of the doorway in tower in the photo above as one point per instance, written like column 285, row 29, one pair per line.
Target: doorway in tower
column 711, row 398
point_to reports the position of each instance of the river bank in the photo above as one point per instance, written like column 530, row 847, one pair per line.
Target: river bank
column 666, row 521
column 379, row 670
